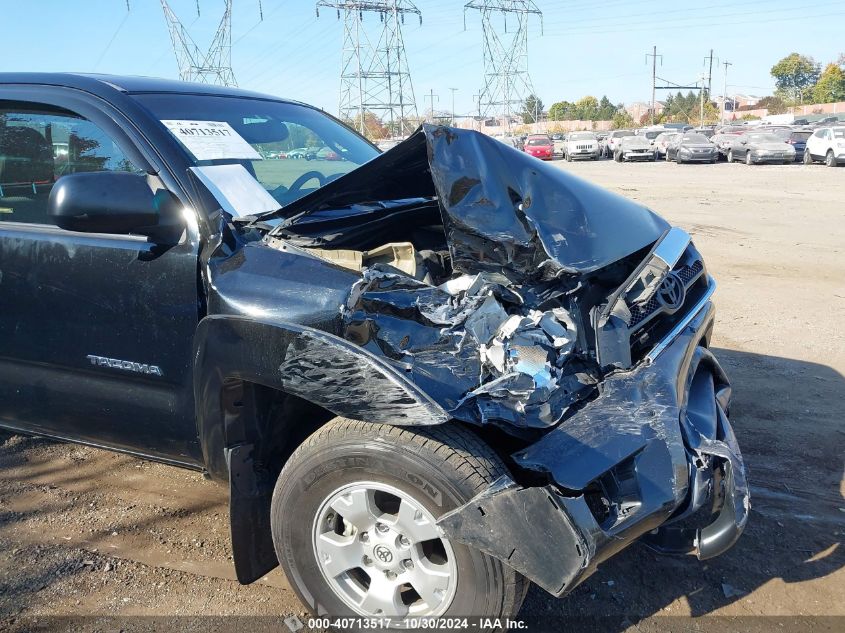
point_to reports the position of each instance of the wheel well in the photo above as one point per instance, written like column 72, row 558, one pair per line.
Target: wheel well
column 263, row 426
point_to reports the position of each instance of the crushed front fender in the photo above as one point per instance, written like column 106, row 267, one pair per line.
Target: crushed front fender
column 649, row 456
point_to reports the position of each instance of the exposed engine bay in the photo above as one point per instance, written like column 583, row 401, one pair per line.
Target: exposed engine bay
column 482, row 290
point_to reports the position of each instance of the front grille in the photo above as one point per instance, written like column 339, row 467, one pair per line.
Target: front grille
column 687, row 273
column 654, row 325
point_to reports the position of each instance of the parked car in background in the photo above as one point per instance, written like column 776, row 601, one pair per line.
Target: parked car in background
column 708, row 130
column 679, row 127
column 830, row 121
column 692, row 147
column 539, row 146
column 612, row 139
column 558, row 145
column 798, row 140
column 661, row 142
column 800, row 122
column 651, row 134
column 760, row 147
column 630, row 148
column 826, row 144
column 580, row 145
column 723, row 143
column 388, row 143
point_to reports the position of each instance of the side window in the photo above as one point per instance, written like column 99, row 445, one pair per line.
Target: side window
column 40, row 144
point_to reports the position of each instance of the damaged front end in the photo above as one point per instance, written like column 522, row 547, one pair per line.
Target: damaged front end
column 520, row 298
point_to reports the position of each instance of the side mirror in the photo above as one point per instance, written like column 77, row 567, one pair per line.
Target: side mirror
column 111, row 202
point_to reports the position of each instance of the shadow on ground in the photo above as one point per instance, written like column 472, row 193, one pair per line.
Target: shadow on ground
column 786, row 415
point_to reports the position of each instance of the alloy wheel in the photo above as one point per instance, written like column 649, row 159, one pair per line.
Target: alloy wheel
column 381, row 552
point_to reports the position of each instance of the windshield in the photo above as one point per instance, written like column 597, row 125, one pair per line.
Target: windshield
column 539, row 141
column 290, row 149
column 695, row 138
column 652, row 135
column 582, row 136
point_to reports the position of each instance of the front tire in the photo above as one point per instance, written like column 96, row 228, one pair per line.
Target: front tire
column 730, row 156
column 353, row 520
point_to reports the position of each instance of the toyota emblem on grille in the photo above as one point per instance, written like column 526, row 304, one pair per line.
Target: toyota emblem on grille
column 672, row 292
column 383, row 554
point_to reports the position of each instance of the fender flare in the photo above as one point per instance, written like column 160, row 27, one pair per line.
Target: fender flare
column 316, row 366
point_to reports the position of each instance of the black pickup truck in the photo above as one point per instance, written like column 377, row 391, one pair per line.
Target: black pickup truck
column 427, row 376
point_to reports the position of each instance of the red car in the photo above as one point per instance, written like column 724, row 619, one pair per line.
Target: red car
column 539, row 146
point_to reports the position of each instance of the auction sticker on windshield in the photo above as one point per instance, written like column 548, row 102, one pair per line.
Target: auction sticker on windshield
column 211, row 140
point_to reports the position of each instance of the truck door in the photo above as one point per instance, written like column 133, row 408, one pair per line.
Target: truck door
column 96, row 330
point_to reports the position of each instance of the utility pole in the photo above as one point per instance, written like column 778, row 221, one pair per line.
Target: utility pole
column 477, row 98
column 454, row 90
column 506, row 79
column 709, row 60
column 725, row 94
column 374, row 75
column 654, row 57
column 431, row 97
column 701, row 104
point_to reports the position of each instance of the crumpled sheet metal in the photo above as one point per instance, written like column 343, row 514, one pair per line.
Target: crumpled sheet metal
column 507, row 212
column 504, row 211
column 472, row 345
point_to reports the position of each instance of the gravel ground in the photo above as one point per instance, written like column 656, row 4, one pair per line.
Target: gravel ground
column 88, row 533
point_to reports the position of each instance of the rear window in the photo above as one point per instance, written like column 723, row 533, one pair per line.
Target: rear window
column 764, row 138
column 695, row 138
column 800, row 136
column 839, row 133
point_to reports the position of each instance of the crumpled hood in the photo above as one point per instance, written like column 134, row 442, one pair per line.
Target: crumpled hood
column 504, row 211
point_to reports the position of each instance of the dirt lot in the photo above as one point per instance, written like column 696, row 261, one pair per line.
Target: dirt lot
column 85, row 532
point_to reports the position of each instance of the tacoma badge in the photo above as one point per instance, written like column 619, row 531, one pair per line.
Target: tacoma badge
column 126, row 365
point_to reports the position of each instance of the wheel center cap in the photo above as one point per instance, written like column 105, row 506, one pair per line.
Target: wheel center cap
column 383, row 554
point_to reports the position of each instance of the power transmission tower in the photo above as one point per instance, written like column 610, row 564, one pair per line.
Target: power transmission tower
column 506, row 79
column 374, row 76
column 213, row 67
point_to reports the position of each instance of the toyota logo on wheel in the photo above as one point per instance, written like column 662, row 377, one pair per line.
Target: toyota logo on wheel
column 671, row 293
column 383, row 554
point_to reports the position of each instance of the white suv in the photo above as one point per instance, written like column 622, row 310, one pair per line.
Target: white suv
column 581, row 145
column 827, row 144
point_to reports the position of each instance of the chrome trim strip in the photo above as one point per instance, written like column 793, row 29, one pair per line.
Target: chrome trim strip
column 672, row 246
column 679, row 327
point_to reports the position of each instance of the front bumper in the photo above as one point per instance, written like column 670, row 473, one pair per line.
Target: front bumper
column 772, row 158
column 651, row 454
column 705, row 157
column 638, row 156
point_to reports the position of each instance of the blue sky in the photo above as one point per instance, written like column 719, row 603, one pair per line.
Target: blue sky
column 587, row 47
